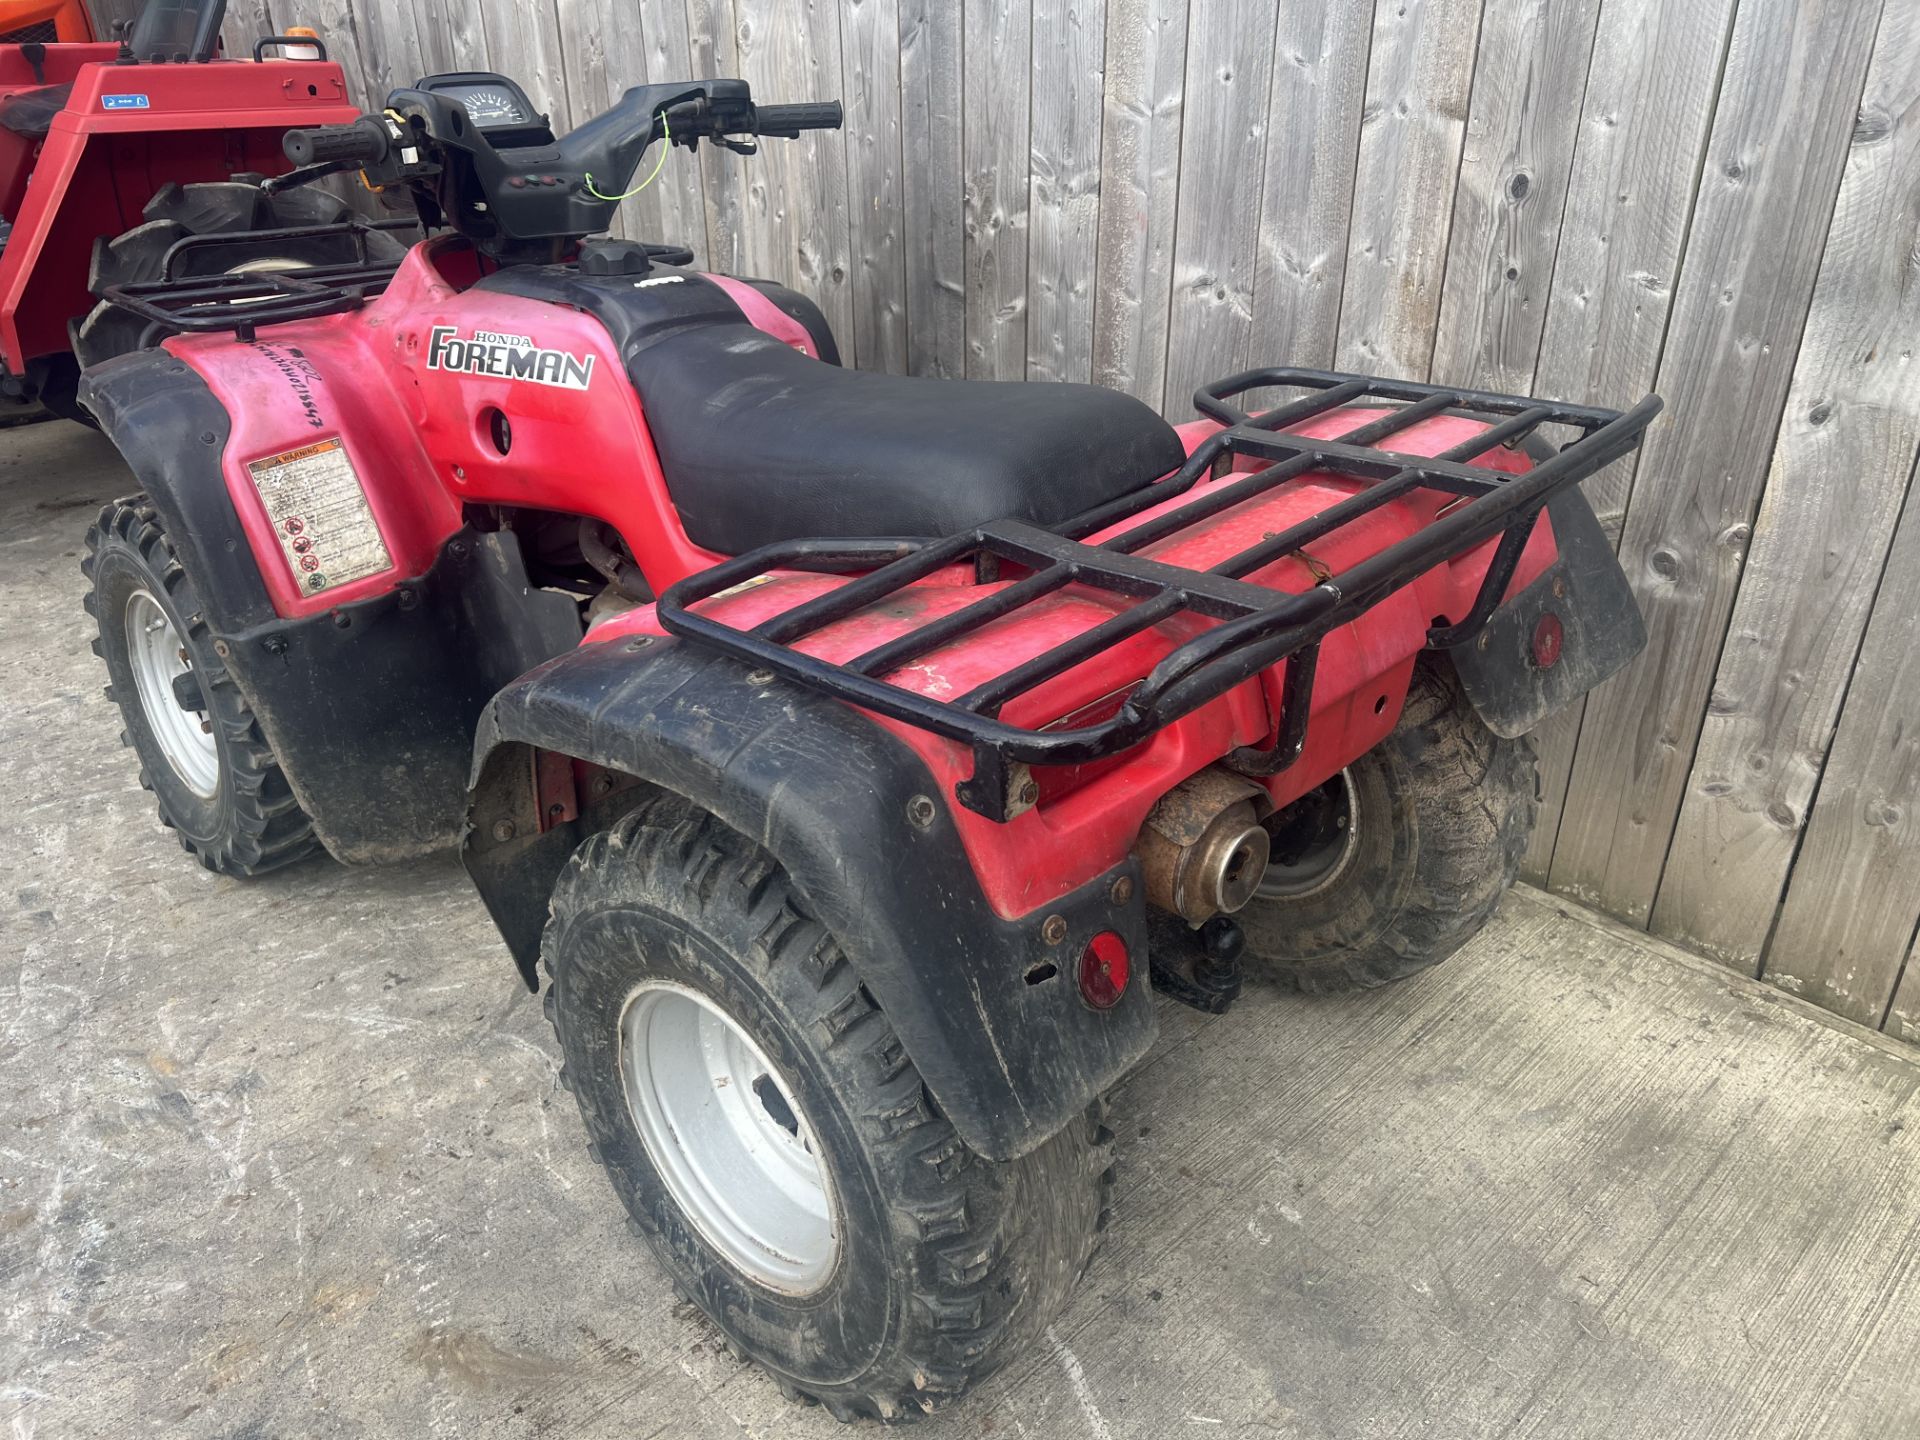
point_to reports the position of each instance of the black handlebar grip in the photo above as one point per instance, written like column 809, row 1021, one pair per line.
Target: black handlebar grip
column 790, row 120
column 362, row 142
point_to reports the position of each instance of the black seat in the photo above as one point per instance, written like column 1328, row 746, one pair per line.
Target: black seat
column 762, row 443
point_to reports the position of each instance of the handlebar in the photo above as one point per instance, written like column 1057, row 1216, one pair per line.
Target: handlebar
column 520, row 192
column 789, row 120
column 359, row 142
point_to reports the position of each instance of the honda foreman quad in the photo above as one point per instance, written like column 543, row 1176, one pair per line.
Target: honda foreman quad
column 152, row 160
column 846, row 756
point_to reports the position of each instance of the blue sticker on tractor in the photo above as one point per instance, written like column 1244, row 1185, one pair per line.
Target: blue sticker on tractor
column 123, row 102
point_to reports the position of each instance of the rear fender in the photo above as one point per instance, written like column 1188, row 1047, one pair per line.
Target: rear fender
column 869, row 839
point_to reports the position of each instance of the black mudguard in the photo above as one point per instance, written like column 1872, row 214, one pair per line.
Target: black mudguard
column 1600, row 623
column 369, row 707
column 829, row 794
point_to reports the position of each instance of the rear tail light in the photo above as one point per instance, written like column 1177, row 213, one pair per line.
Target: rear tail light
column 1104, row 970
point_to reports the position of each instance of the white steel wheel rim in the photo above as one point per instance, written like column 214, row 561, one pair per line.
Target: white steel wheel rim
column 713, row 1113
column 157, row 656
column 1325, row 863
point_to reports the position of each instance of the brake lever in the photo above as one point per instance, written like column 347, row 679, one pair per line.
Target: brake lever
column 739, row 147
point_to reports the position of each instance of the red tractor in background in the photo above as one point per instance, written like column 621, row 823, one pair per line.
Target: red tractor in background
column 147, row 159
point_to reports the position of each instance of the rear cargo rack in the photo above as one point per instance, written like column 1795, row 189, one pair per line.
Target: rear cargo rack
column 207, row 304
column 1259, row 627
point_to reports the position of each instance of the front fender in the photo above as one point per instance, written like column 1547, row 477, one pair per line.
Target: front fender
column 828, row 793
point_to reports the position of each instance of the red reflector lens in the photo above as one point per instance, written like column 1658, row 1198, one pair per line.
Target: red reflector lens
column 1104, row 968
column 1548, row 637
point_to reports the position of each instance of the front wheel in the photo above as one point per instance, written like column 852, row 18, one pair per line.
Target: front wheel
column 200, row 748
column 1396, row 862
column 773, row 1143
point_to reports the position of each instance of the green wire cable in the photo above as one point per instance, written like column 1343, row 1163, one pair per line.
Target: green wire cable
column 666, row 136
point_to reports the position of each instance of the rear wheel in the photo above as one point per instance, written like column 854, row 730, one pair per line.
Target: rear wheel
column 200, row 748
column 1393, row 864
column 772, row 1142
column 229, row 208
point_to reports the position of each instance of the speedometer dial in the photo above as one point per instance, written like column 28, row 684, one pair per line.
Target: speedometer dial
column 491, row 107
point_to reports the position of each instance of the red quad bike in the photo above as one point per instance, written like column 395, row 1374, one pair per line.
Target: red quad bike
column 847, row 860
column 152, row 160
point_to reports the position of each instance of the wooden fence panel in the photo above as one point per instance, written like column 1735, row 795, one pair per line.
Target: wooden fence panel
column 672, row 210
column 1854, row 899
column 1145, row 75
column 933, row 187
column 1419, row 76
column 1229, row 71
column 1319, row 87
column 1834, row 494
column 1063, row 205
column 996, row 119
column 1650, row 92
column 870, row 43
column 1787, row 103
column 1903, row 1016
column 1514, row 173
column 795, row 215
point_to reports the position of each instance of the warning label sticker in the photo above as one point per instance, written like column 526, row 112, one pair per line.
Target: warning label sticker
column 320, row 512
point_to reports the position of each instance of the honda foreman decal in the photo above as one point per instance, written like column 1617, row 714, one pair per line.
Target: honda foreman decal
column 509, row 357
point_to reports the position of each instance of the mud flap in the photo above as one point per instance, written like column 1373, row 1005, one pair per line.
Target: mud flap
column 1599, row 629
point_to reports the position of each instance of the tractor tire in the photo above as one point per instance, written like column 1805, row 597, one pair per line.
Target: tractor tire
column 228, row 207
column 215, row 777
column 1394, row 863
column 773, row 1144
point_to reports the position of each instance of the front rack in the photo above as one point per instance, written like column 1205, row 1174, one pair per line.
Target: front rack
column 207, row 304
column 1258, row 627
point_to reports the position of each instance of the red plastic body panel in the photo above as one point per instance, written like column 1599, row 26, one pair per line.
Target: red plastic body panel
column 422, row 441
column 97, row 167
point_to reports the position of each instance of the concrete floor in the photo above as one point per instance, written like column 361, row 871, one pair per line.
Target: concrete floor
column 287, row 1159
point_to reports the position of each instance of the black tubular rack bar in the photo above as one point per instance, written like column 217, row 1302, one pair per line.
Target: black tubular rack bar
column 207, row 304
column 1259, row 627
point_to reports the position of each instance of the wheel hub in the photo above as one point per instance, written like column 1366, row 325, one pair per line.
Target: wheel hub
column 158, row 657
column 722, row 1127
column 1312, row 841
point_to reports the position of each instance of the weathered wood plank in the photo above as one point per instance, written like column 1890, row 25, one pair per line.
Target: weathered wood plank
column 390, row 45
column 1787, row 102
column 1854, row 898
column 1063, row 204
column 1649, row 101
column 1222, row 142
column 246, row 21
column 795, row 216
column 442, row 39
column 933, row 186
column 996, row 120
column 1146, row 59
column 1306, row 195
column 600, row 54
column 340, row 31
column 714, row 49
column 1419, row 78
column 1903, row 1016
column 1514, row 172
column 1834, row 494
column 607, row 55
column 672, row 210
column 870, row 36
column 523, row 37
